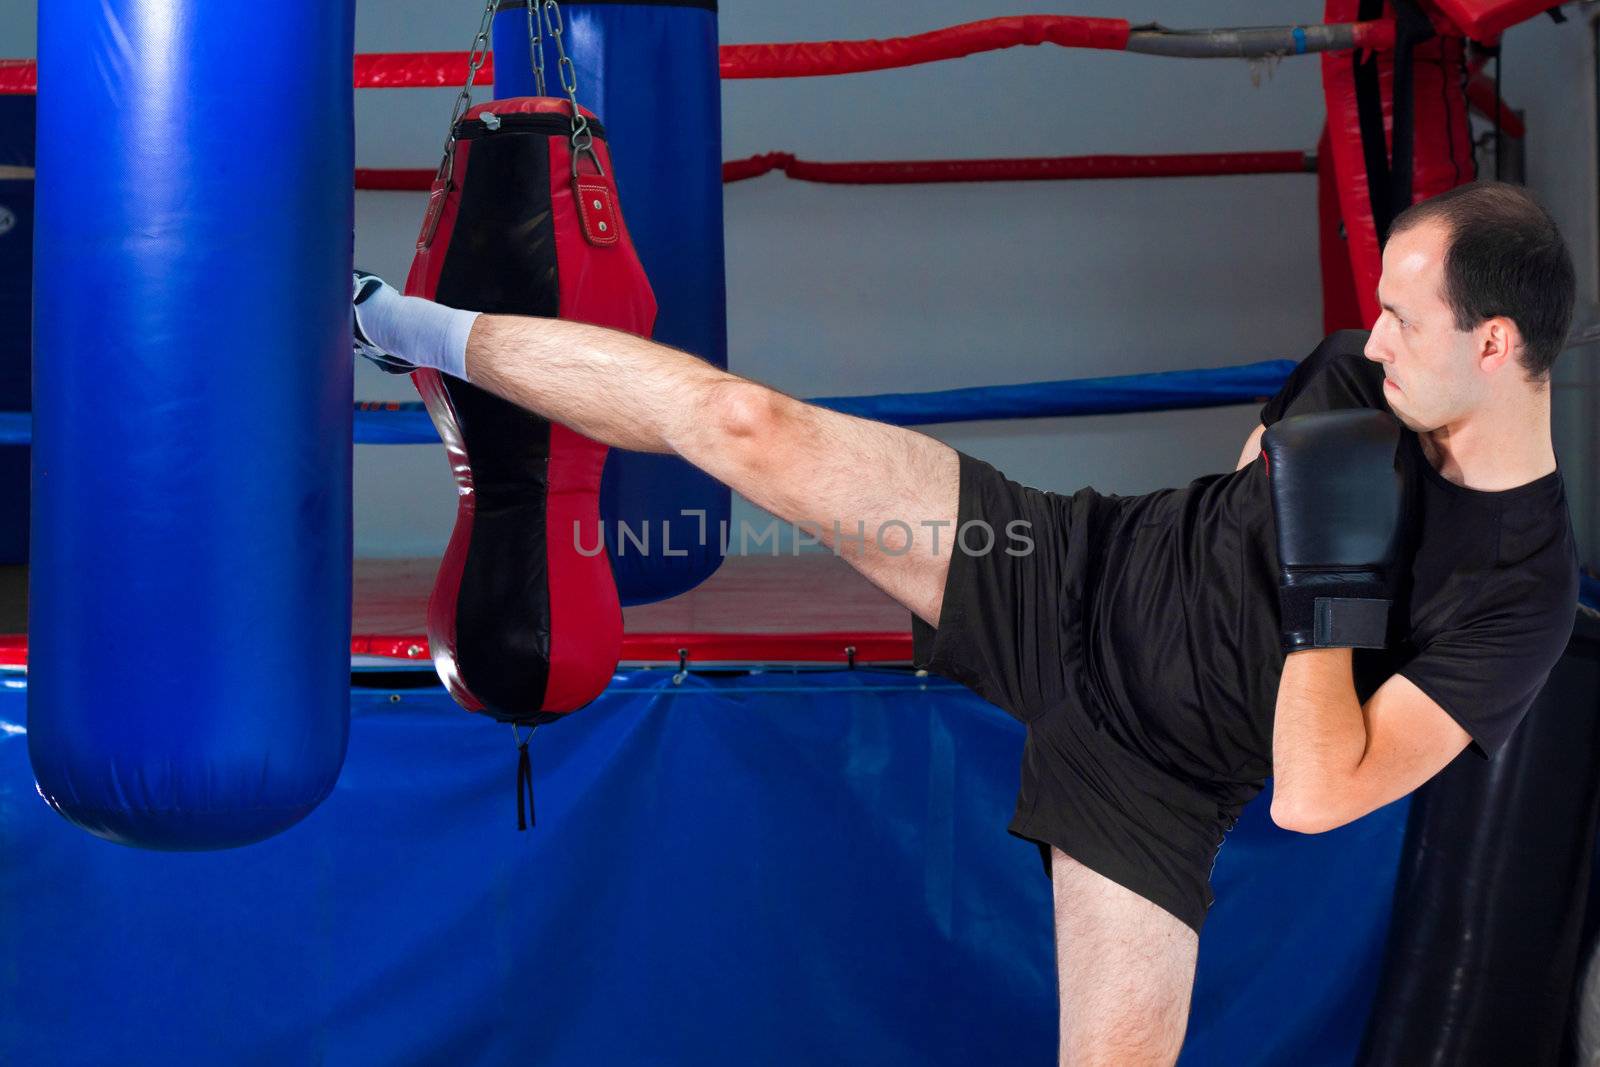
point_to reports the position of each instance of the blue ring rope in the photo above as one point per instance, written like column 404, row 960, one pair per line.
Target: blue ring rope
column 408, row 423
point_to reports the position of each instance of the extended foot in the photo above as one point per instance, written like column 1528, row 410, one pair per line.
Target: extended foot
column 365, row 286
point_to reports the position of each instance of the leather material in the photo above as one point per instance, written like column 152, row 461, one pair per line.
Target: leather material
column 1494, row 921
column 651, row 70
column 1358, row 86
column 1485, row 20
column 190, row 610
column 524, row 621
column 1336, row 500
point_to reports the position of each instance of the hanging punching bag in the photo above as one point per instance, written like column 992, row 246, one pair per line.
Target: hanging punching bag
column 1485, row 949
column 648, row 69
column 523, row 622
column 191, row 533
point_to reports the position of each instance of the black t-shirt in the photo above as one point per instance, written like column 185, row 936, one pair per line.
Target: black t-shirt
column 1181, row 622
column 1491, row 595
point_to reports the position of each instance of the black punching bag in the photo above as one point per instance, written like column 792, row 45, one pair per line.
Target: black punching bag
column 1485, row 948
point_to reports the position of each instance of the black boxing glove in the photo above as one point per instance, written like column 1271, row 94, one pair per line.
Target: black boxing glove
column 1336, row 497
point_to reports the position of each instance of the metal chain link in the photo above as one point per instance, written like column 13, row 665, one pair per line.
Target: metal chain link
column 536, row 46
column 582, row 136
column 477, row 56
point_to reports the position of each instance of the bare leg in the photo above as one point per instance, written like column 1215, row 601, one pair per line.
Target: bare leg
column 872, row 491
column 1125, row 971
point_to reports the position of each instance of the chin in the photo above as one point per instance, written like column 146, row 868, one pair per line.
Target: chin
column 1415, row 424
column 1409, row 421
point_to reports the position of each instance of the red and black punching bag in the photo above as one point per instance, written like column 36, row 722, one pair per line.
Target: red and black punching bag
column 524, row 622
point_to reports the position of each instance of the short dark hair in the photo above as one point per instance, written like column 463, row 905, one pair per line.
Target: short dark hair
column 1505, row 257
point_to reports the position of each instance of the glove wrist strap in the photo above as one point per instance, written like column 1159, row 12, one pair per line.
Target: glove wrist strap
column 1333, row 611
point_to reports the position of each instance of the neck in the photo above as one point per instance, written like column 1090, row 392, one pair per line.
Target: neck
column 1498, row 446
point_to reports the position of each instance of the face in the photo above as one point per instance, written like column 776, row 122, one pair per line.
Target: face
column 1434, row 374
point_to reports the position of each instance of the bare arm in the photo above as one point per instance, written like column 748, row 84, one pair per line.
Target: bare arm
column 1334, row 759
column 1252, row 448
column 842, row 477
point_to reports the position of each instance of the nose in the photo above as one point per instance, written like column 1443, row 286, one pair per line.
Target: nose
column 1375, row 348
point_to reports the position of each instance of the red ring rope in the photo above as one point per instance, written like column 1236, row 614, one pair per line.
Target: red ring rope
column 937, row 171
column 421, row 70
column 1055, row 168
column 806, row 59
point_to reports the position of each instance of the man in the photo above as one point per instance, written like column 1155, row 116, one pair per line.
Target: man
column 1140, row 638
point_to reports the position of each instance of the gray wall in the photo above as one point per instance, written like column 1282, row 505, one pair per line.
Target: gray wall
column 858, row 289
column 839, row 289
column 1550, row 72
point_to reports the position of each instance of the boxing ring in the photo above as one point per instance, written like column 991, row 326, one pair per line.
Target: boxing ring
column 770, row 839
column 732, row 863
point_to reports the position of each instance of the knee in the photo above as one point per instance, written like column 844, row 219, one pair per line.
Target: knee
column 1129, row 1035
column 742, row 426
column 743, row 411
column 1133, row 1046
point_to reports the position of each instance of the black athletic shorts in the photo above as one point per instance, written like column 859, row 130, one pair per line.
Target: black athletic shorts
column 1011, row 628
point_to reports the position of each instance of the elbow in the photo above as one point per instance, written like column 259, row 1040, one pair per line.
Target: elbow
column 1299, row 816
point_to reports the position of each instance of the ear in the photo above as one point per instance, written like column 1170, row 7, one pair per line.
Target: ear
column 1498, row 342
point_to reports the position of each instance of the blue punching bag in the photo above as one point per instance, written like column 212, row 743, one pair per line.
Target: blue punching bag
column 191, row 537
column 648, row 70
